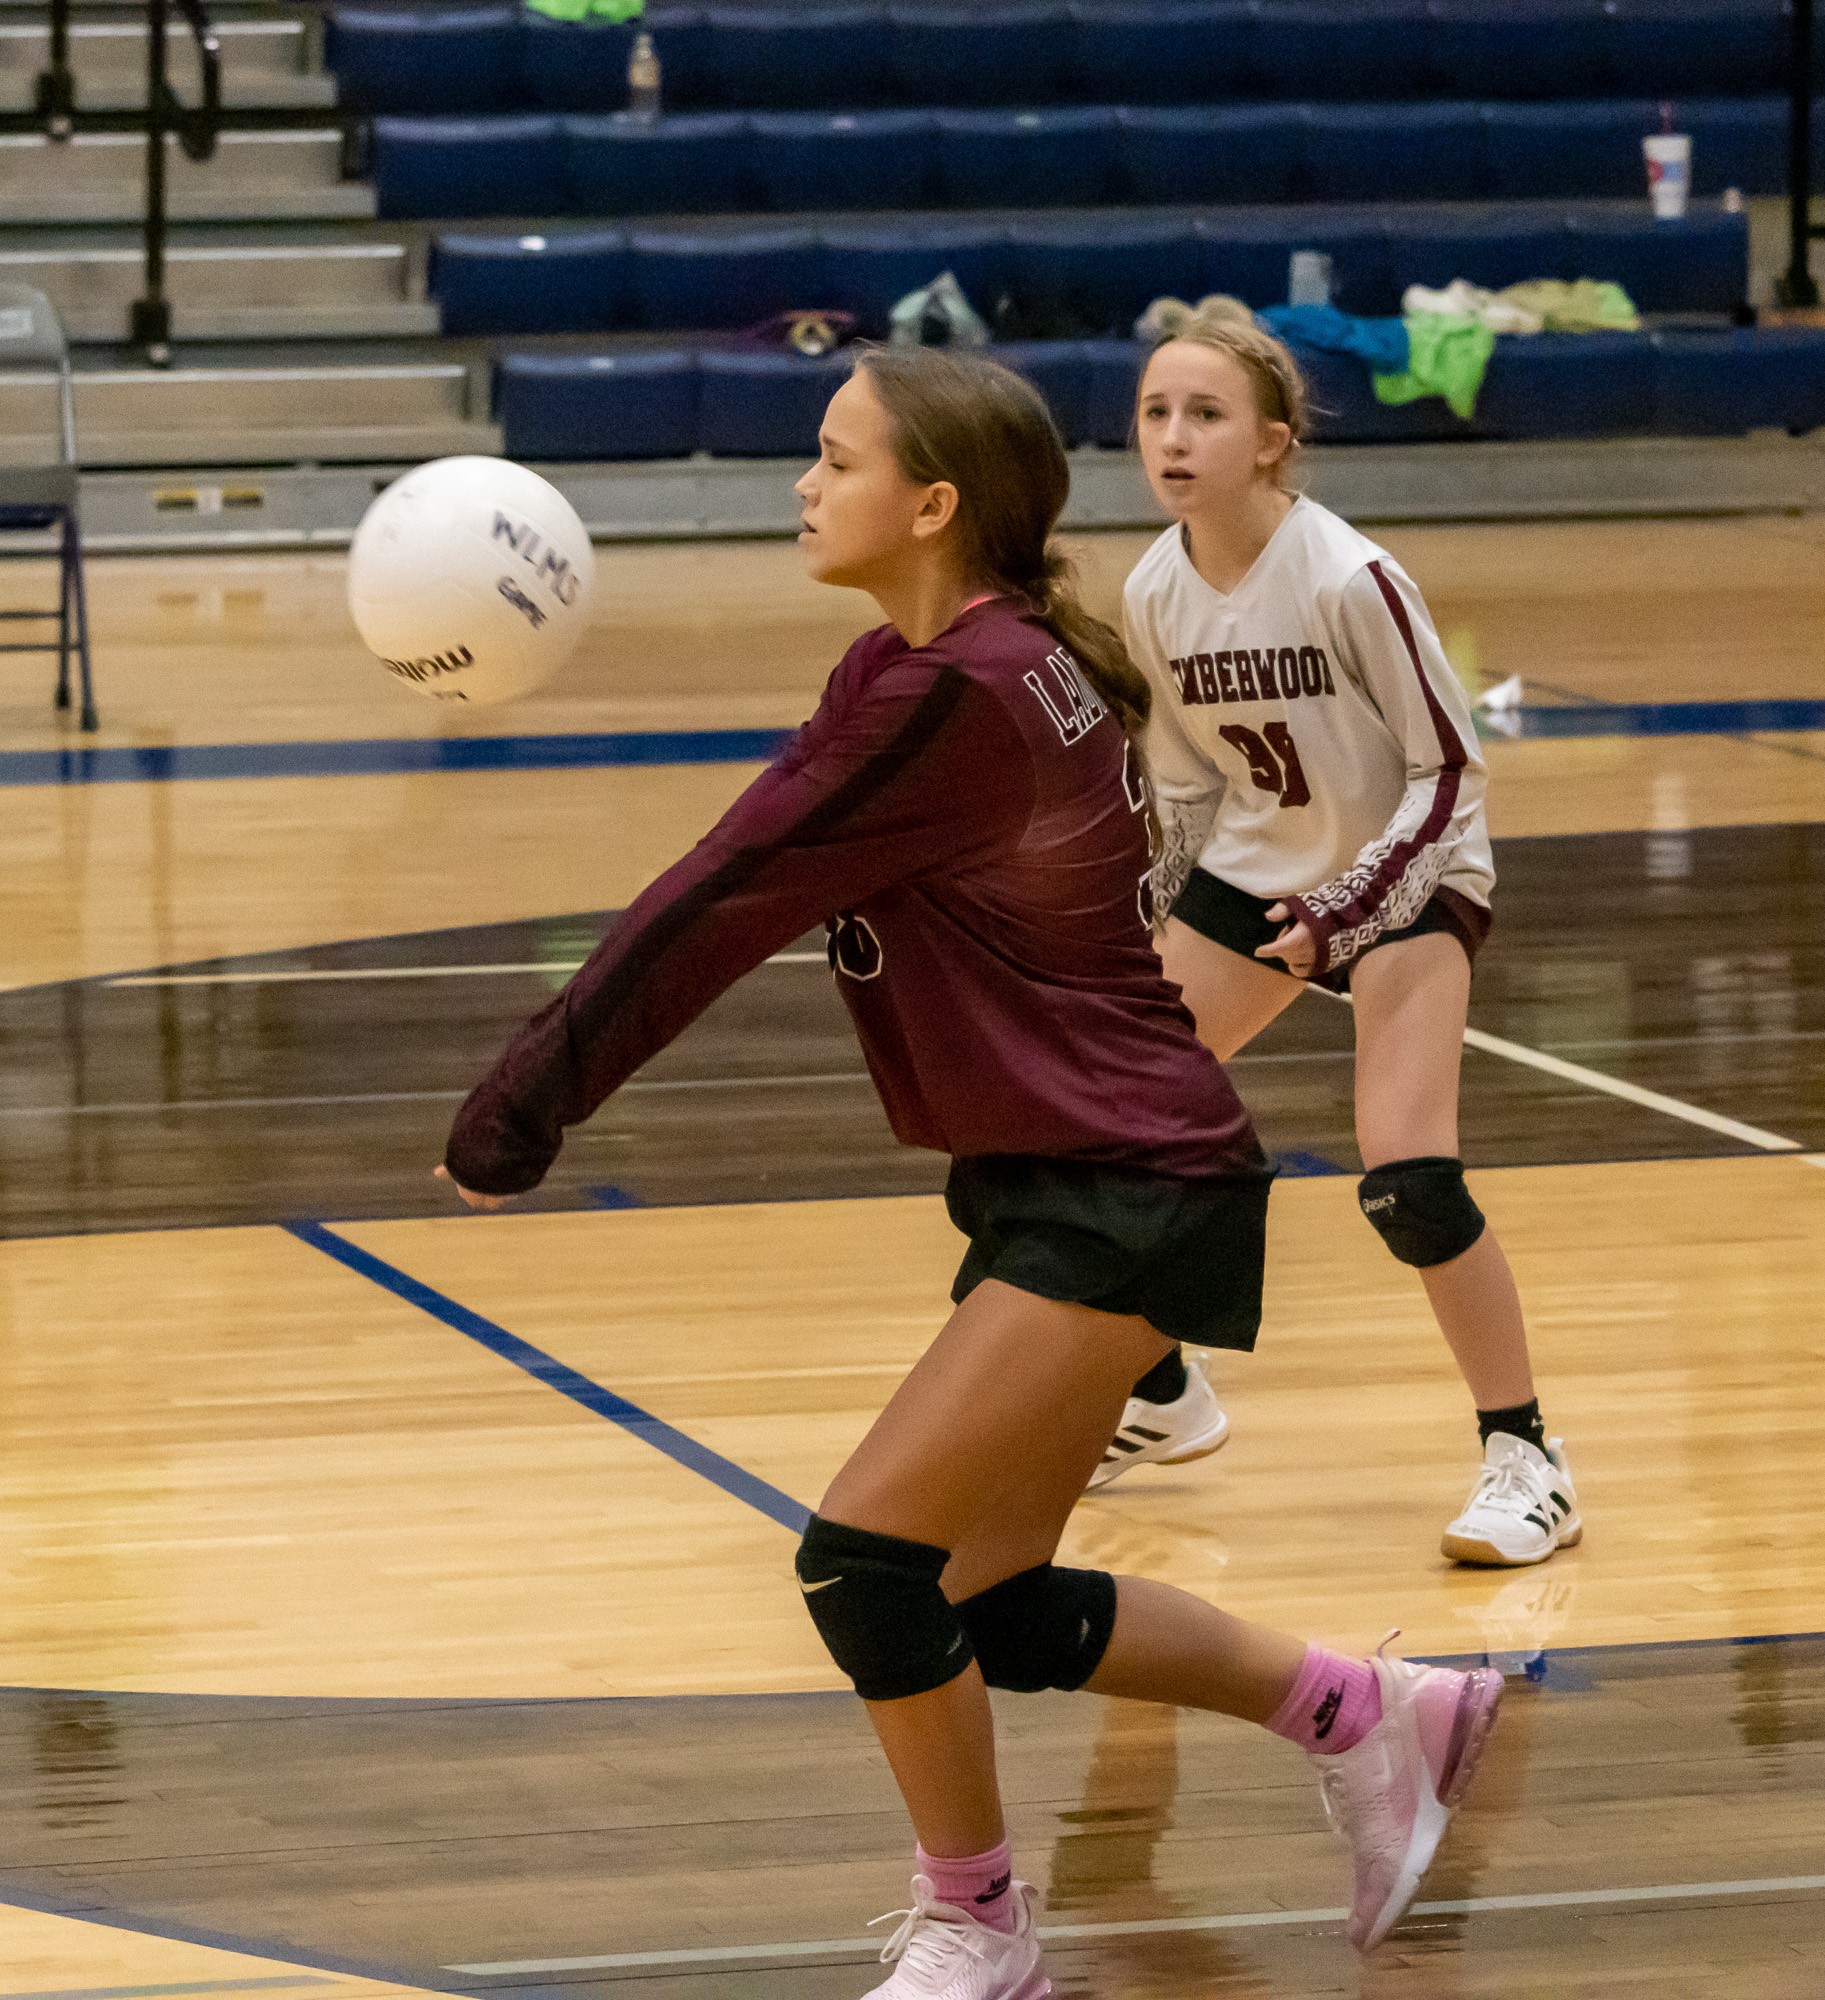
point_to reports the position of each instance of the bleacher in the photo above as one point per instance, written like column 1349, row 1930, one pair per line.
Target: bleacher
column 479, row 246
column 1069, row 163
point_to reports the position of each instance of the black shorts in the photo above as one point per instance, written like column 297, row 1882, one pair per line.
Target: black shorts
column 1184, row 1255
column 1238, row 921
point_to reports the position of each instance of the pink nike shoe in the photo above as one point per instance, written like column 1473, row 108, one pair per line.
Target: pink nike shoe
column 1392, row 1795
column 943, row 1953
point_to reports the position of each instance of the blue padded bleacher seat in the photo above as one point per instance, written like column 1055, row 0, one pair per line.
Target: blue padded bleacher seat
column 1347, row 411
column 1343, row 50
column 1700, row 264
column 1060, row 371
column 872, row 159
column 801, row 58
column 598, row 406
column 1506, row 244
column 1115, row 376
column 1103, row 272
column 686, row 47
column 442, row 62
column 573, row 283
column 1199, row 154
column 1739, row 142
column 1666, row 48
column 1569, row 385
column 765, row 405
column 725, row 278
column 1397, row 152
column 431, row 167
column 1025, row 159
column 982, row 54
column 697, row 163
column 1519, row 48
column 1750, row 378
column 1247, row 254
column 575, row 65
column 1546, row 152
column 1165, row 52
column 873, row 266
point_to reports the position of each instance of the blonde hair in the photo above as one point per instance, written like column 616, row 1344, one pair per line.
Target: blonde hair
column 1227, row 326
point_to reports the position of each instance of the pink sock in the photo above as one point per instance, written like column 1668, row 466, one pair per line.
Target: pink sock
column 978, row 1883
column 1334, row 1703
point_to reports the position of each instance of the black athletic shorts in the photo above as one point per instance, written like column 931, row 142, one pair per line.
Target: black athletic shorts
column 1184, row 1255
column 1233, row 918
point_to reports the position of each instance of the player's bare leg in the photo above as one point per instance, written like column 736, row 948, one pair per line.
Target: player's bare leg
column 982, row 1452
column 1172, row 1415
column 1411, row 1003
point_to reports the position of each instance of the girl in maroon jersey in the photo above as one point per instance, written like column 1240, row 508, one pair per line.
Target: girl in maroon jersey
column 964, row 813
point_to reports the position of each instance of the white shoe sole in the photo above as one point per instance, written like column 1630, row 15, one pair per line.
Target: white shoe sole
column 1201, row 1446
column 1480, row 1554
column 1430, row 1824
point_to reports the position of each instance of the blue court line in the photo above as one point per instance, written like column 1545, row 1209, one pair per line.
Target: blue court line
column 162, row 1992
column 376, row 756
column 83, row 1910
column 694, row 1457
column 1673, row 718
column 382, row 756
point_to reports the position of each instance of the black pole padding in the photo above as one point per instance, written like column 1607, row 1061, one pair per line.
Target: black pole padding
column 1799, row 287
column 55, row 99
column 151, row 317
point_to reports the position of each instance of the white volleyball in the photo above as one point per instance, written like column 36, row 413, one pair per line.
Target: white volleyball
column 470, row 579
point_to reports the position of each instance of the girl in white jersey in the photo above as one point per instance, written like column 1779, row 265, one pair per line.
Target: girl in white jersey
column 1320, row 796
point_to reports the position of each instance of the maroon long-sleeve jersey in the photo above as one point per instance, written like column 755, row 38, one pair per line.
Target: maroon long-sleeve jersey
column 967, row 819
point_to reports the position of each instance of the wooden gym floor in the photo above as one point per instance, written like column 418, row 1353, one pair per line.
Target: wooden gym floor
column 393, row 1599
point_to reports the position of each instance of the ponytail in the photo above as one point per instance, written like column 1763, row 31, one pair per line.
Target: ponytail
column 1096, row 645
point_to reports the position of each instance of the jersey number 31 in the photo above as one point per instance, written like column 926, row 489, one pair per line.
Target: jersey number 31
column 1274, row 765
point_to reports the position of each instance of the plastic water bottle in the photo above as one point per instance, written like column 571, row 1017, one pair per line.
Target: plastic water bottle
column 643, row 78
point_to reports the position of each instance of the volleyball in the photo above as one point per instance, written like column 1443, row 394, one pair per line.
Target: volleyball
column 469, row 578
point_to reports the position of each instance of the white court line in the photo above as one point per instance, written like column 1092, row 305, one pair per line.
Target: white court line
column 300, row 976
column 1613, row 1086
column 1561, row 1899
column 1653, row 1100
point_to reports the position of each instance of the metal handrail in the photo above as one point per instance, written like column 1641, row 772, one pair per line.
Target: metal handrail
column 1799, row 287
column 55, row 102
column 195, row 131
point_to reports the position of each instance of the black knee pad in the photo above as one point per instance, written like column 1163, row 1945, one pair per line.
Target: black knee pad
column 876, row 1604
column 1045, row 1628
column 1422, row 1208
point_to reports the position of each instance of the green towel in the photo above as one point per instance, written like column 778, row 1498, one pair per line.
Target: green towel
column 1448, row 357
column 589, row 10
column 1582, row 305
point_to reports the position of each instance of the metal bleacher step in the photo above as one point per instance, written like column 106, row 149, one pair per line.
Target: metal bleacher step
column 251, row 176
column 265, row 65
column 257, row 415
column 345, row 291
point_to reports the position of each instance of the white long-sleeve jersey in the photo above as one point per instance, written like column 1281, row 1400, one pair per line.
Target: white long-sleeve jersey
column 1308, row 738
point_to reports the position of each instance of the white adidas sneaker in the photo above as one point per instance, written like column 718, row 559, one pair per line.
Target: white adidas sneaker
column 943, row 1953
column 1522, row 1508
column 1166, row 1433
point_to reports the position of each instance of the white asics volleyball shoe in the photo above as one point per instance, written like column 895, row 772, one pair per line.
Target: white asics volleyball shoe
column 1521, row 1509
column 1166, row 1433
column 1393, row 1794
column 943, row 1953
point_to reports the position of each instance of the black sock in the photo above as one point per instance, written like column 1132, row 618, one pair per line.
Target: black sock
column 1164, row 1382
column 1522, row 1421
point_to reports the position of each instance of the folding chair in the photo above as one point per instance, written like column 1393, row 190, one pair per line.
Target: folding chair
column 34, row 498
